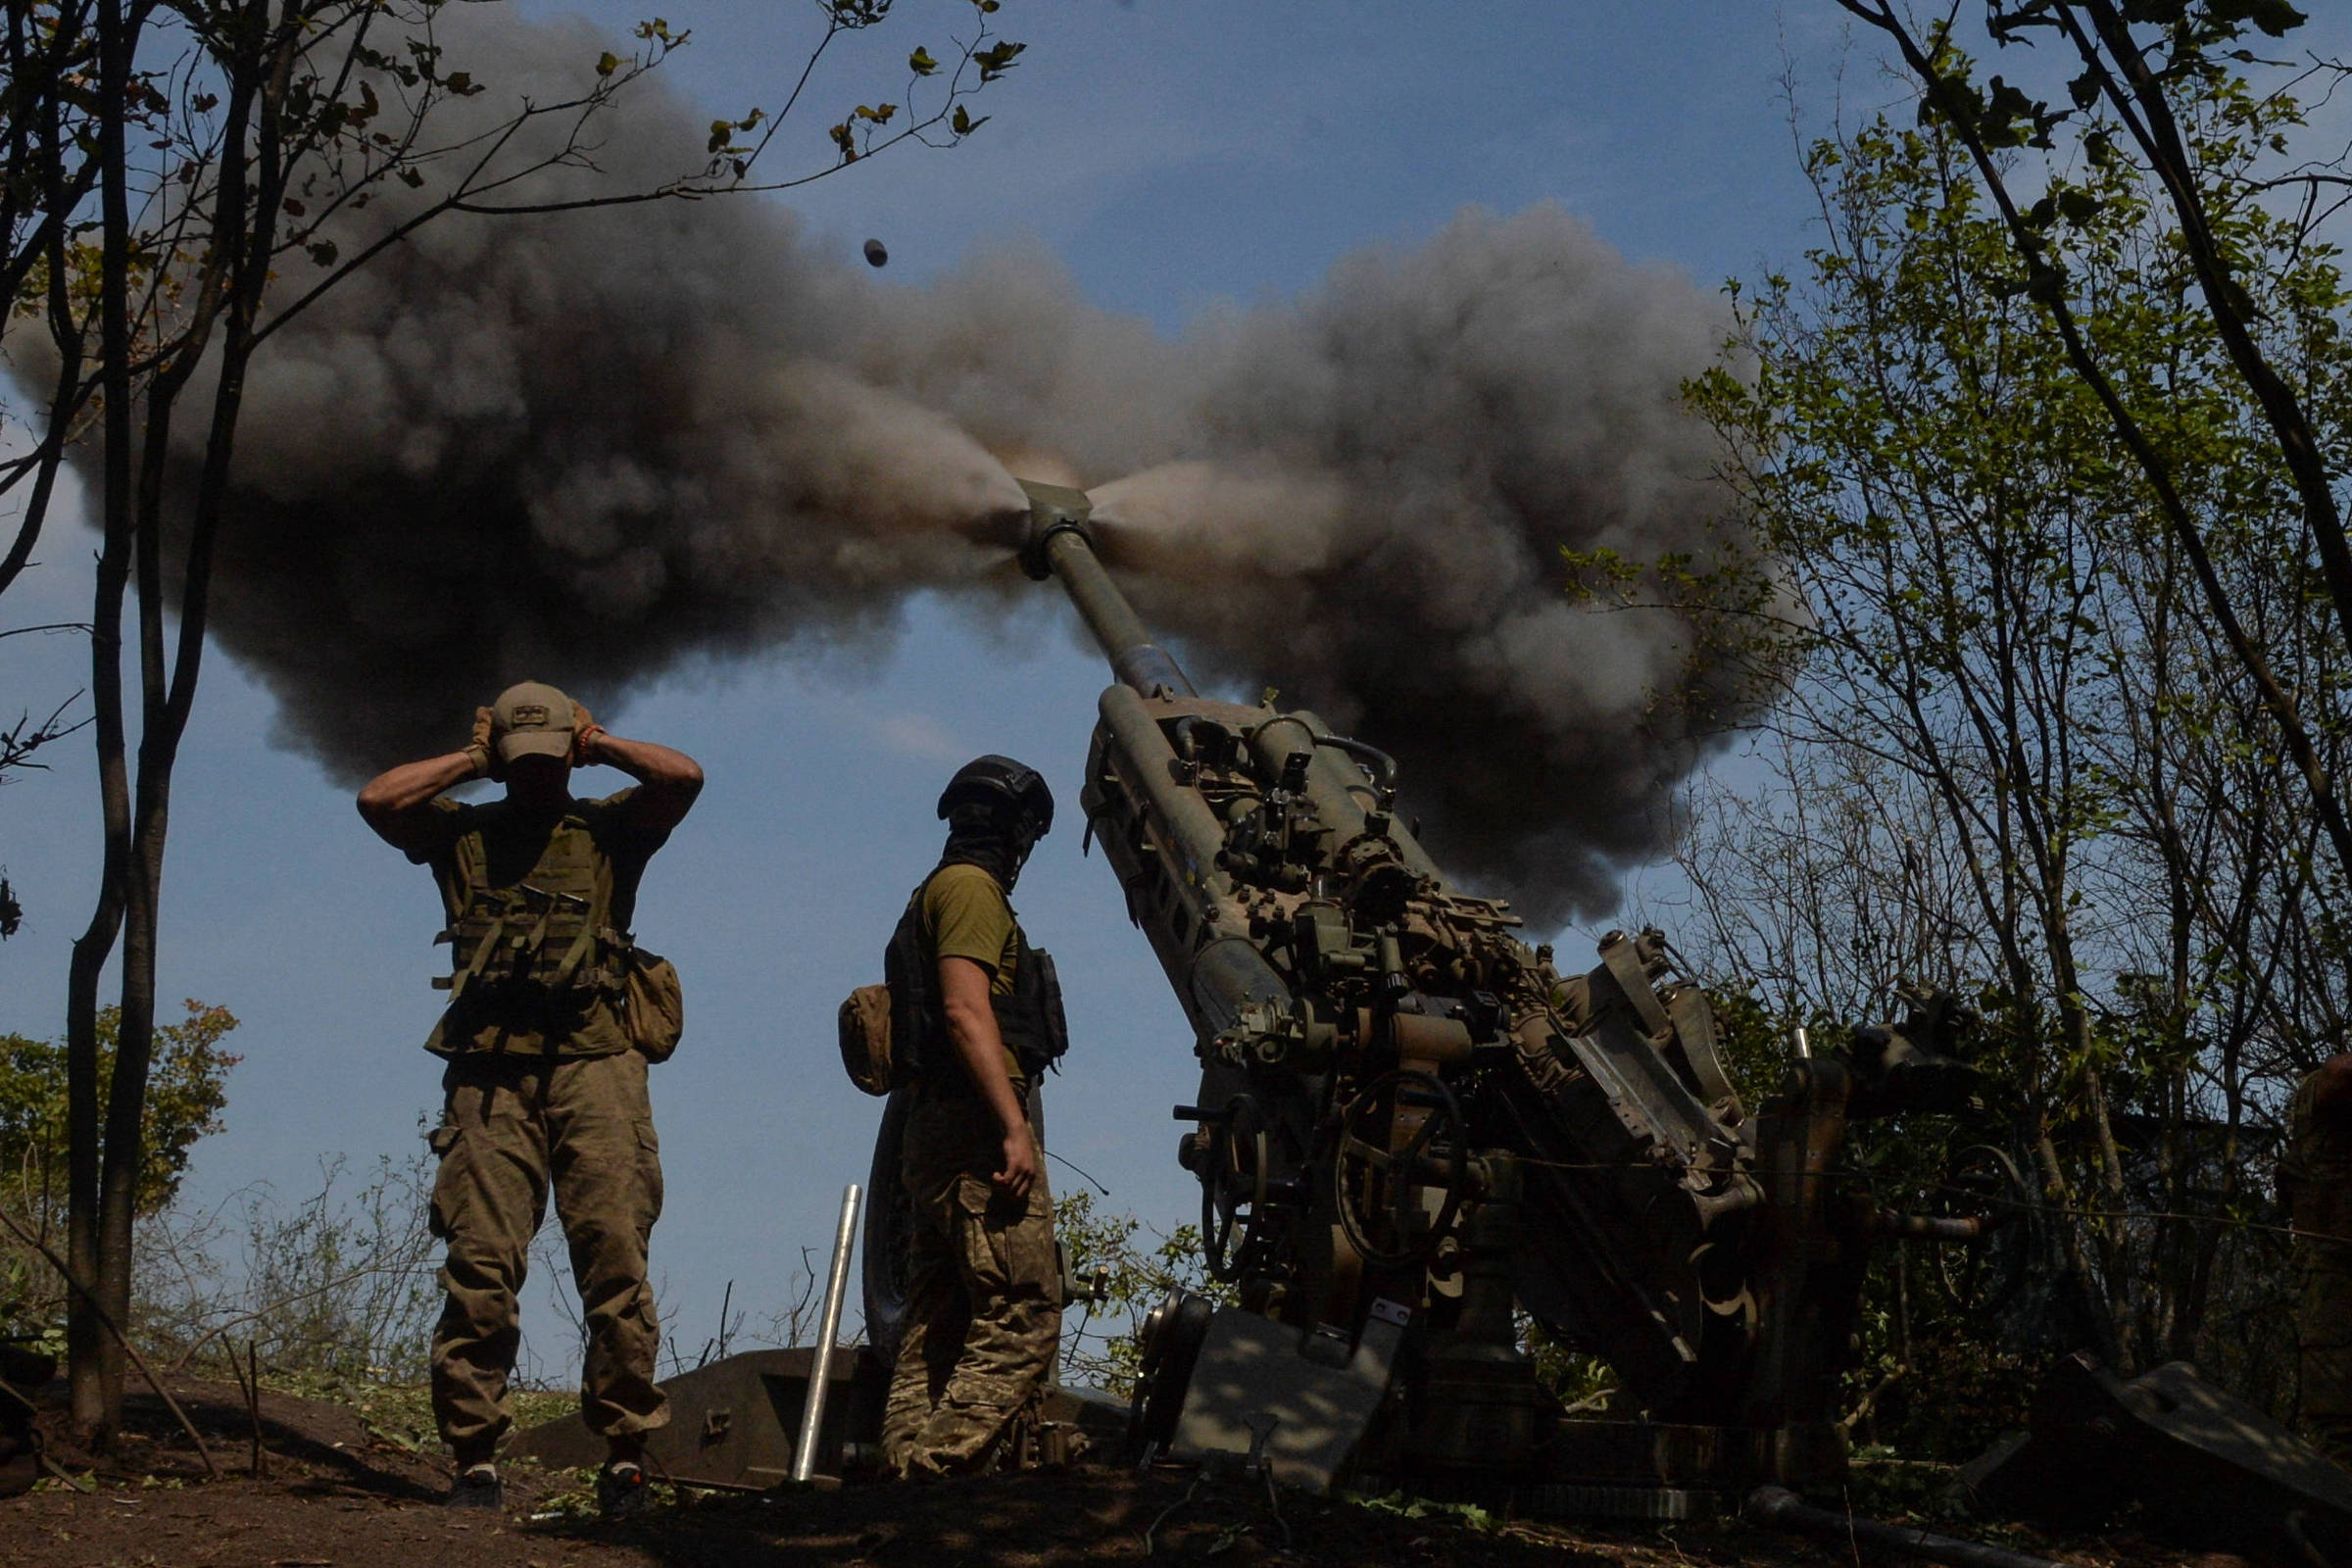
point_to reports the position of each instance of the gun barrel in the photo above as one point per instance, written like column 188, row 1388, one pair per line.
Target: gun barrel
column 1061, row 547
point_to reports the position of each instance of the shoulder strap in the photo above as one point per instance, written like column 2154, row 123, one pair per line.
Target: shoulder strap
column 456, row 983
column 581, row 854
column 470, row 858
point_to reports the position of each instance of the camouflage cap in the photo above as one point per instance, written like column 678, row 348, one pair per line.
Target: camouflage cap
column 532, row 718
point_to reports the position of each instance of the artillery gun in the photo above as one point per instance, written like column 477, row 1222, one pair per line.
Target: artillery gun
column 1413, row 1133
column 1412, row 1127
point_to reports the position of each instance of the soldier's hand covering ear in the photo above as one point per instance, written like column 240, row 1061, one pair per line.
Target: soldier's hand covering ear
column 483, row 748
column 584, row 730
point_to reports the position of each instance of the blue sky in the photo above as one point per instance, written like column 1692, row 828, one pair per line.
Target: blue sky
column 1175, row 153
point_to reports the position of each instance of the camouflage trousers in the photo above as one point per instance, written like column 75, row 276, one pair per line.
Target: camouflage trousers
column 983, row 1315
column 513, row 1127
column 2324, row 1336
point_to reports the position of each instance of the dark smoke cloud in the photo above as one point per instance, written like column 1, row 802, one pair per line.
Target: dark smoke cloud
column 584, row 447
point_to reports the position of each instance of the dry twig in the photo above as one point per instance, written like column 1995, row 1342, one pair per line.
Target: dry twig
column 107, row 1321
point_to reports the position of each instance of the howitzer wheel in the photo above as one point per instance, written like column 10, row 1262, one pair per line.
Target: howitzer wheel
column 1382, row 1210
column 889, row 1233
column 1233, row 1175
column 1167, row 1347
column 1981, row 1277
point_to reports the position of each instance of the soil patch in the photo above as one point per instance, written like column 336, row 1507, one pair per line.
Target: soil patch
column 340, row 1491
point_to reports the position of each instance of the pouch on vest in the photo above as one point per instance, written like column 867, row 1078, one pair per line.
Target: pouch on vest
column 1031, row 1018
column 865, row 1038
column 540, row 942
column 652, row 1003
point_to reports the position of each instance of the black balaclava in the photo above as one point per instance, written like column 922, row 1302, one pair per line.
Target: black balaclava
column 985, row 837
column 995, row 811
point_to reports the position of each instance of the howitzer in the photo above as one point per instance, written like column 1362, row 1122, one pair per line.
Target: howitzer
column 1411, row 1127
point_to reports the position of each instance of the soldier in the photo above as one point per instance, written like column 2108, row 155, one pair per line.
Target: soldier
column 981, row 1012
column 543, row 1082
column 2315, row 1180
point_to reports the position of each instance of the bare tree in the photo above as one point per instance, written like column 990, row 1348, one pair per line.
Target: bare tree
column 183, row 179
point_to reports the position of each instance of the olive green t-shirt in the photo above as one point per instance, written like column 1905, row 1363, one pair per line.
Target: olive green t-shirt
column 509, row 843
column 966, row 914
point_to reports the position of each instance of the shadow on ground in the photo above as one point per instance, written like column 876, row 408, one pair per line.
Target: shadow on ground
column 336, row 1494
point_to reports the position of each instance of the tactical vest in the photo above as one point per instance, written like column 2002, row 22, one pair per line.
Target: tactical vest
column 546, row 939
column 1029, row 1017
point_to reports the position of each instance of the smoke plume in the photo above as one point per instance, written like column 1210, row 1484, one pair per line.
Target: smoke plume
column 580, row 447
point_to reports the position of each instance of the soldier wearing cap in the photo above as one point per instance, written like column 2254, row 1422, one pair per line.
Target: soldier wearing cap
column 544, row 1086
column 980, row 1013
column 2315, row 1180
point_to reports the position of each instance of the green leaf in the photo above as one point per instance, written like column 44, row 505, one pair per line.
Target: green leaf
column 2078, row 207
column 921, row 63
column 993, row 62
column 607, row 63
column 2274, row 17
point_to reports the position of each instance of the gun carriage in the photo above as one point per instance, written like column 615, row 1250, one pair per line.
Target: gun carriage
column 1412, row 1127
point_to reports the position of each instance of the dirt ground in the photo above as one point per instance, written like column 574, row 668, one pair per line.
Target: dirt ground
column 339, row 1492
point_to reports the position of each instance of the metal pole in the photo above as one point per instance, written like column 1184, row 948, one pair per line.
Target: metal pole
column 821, row 1366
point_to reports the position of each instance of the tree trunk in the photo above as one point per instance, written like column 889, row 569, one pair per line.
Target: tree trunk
column 126, row 1090
column 88, row 1347
column 234, row 274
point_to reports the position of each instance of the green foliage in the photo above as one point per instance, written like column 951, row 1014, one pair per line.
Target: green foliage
column 1404, row 1506
column 865, row 129
column 1139, row 1273
column 188, row 1087
column 1580, row 1381
column 996, row 58
column 2013, row 754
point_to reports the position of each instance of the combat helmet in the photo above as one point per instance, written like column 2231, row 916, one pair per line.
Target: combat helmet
column 999, row 792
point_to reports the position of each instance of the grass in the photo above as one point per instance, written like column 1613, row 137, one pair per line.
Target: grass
column 401, row 1413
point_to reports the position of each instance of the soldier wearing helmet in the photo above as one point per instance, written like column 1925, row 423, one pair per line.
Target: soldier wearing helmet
column 979, row 1013
column 550, row 1025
